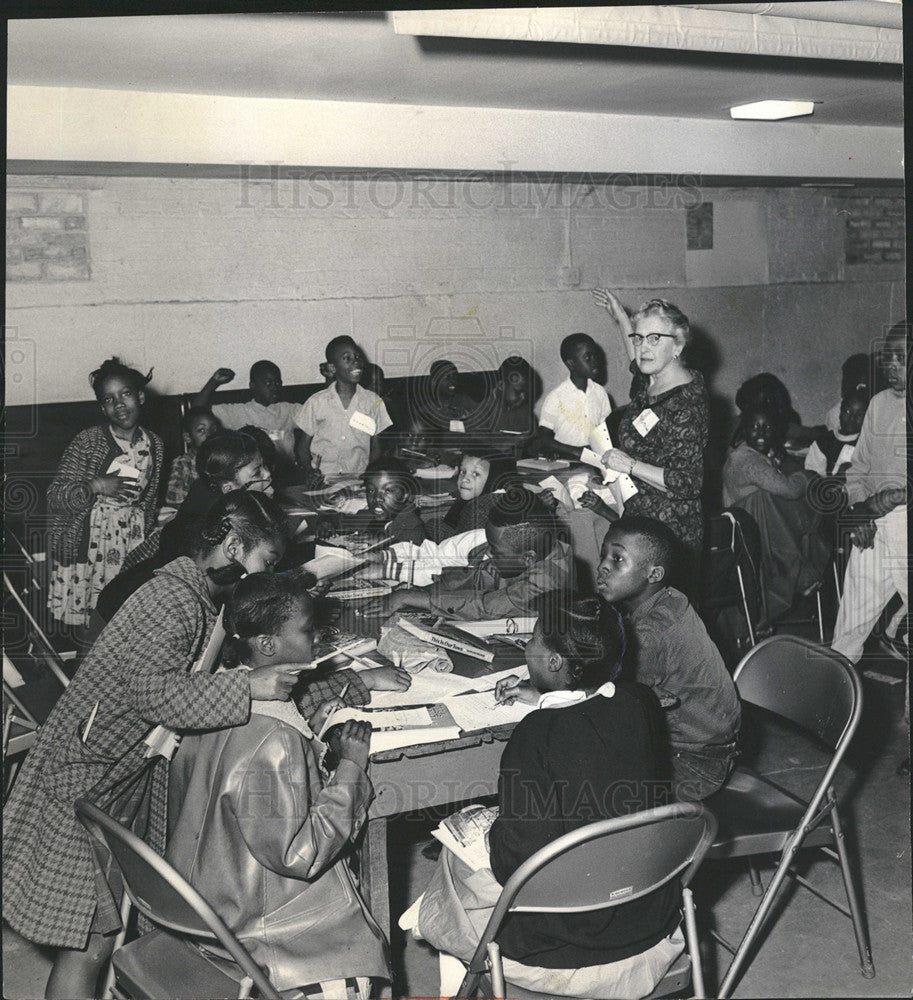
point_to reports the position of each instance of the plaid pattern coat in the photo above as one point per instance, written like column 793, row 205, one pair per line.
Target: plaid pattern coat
column 70, row 497
column 137, row 672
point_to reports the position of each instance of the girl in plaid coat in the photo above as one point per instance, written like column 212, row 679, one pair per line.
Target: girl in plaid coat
column 102, row 500
column 135, row 677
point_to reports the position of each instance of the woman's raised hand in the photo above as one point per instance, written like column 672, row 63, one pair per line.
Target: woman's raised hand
column 221, row 376
column 609, row 301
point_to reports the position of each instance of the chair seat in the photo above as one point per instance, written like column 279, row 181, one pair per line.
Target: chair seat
column 674, row 981
column 159, row 965
column 755, row 816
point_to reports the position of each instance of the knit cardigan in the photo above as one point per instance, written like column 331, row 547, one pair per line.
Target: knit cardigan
column 70, row 497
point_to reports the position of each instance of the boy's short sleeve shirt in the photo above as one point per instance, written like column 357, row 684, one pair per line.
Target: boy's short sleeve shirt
column 343, row 449
column 572, row 413
column 276, row 420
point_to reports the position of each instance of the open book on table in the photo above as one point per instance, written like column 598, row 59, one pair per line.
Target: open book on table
column 399, row 727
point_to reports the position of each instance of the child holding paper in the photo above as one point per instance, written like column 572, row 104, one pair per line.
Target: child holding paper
column 340, row 424
column 256, row 801
column 102, row 501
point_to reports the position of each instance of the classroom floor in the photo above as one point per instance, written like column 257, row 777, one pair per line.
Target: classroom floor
column 809, row 951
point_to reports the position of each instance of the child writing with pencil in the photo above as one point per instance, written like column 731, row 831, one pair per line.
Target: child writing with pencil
column 589, row 737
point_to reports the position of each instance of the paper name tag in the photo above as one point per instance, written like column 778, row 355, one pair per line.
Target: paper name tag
column 362, row 422
column 457, row 427
column 644, row 422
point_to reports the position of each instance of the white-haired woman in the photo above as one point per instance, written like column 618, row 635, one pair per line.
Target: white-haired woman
column 663, row 433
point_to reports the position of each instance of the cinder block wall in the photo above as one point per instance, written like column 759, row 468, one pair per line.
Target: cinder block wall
column 189, row 274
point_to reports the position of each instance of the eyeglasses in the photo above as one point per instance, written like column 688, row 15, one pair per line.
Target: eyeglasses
column 652, row 339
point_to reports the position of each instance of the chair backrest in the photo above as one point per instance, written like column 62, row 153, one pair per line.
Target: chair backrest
column 611, row 861
column 810, row 685
column 162, row 894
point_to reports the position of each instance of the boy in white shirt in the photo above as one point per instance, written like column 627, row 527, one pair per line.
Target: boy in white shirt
column 264, row 410
column 571, row 411
column 341, row 423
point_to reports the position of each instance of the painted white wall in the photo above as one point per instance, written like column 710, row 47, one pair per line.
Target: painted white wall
column 191, row 274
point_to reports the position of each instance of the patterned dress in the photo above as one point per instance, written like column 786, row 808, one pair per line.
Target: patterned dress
column 137, row 675
column 676, row 445
column 91, row 535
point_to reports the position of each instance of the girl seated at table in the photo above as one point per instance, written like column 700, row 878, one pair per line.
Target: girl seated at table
column 477, row 481
column 256, row 801
column 587, row 738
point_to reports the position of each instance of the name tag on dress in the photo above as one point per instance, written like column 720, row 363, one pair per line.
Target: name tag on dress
column 362, row 422
column 457, row 427
column 644, row 422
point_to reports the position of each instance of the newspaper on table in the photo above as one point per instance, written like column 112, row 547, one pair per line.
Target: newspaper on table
column 162, row 741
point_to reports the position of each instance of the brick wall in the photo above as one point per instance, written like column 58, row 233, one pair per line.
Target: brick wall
column 874, row 228
column 46, row 237
column 189, row 274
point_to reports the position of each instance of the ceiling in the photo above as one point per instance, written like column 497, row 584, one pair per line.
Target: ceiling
column 358, row 57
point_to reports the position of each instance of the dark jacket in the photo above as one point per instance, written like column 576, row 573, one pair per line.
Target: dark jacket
column 252, row 802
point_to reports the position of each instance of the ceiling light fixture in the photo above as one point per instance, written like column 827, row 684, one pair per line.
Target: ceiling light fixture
column 770, row 111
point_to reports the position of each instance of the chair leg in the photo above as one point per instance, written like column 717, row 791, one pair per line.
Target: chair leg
column 496, row 969
column 757, row 921
column 697, row 971
column 820, row 616
column 125, row 906
column 751, row 633
column 852, row 897
column 757, row 889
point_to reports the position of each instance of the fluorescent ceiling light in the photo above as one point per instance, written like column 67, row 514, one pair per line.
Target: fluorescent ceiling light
column 769, row 111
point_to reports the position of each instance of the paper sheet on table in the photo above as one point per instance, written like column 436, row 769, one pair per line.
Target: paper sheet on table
column 351, row 505
column 428, row 688
column 477, row 710
column 401, row 727
column 328, row 491
column 329, row 562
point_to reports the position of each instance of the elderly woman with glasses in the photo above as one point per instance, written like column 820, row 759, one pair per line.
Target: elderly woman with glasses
column 663, row 432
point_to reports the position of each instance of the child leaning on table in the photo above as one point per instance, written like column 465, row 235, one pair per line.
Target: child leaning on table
column 520, row 559
column 588, row 751
column 256, row 801
column 671, row 652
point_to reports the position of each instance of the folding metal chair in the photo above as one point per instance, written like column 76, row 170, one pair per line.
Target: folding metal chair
column 161, row 964
column 730, row 557
column 818, row 690
column 607, row 863
column 20, row 729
